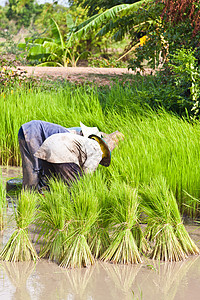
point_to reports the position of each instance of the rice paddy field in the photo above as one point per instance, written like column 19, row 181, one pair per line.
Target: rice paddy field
column 156, row 143
column 132, row 214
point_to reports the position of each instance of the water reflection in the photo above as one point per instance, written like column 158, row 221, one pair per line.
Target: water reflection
column 18, row 273
column 60, row 283
column 122, row 276
column 150, row 280
column 165, row 279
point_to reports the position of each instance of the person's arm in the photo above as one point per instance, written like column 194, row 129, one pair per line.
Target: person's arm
column 94, row 156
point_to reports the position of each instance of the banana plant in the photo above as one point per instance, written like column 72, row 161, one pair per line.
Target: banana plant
column 108, row 20
column 54, row 51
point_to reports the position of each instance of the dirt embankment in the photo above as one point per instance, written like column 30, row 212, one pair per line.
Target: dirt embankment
column 100, row 76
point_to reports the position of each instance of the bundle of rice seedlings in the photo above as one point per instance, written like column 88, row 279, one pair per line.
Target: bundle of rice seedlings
column 3, row 205
column 84, row 215
column 77, row 253
column 53, row 220
column 165, row 230
column 100, row 241
column 125, row 232
column 19, row 246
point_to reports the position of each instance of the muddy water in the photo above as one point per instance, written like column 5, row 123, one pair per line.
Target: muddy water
column 103, row 281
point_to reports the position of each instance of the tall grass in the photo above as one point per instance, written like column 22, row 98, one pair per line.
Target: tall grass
column 155, row 143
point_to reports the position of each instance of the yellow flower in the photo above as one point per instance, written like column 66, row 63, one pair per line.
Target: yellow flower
column 11, row 92
column 143, row 40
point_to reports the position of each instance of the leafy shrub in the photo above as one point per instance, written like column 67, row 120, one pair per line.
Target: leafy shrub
column 12, row 77
column 184, row 66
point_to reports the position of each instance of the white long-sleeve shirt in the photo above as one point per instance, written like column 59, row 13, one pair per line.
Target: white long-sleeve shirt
column 71, row 148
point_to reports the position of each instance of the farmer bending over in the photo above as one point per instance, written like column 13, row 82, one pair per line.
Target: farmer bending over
column 49, row 149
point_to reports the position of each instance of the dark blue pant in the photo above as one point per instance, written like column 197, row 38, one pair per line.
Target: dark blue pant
column 37, row 172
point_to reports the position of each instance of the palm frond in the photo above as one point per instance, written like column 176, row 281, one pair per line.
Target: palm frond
column 96, row 21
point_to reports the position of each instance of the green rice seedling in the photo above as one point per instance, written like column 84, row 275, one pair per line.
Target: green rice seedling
column 68, row 222
column 156, row 142
column 84, row 215
column 127, row 239
column 3, row 205
column 54, row 218
column 19, row 246
column 100, row 240
column 165, row 230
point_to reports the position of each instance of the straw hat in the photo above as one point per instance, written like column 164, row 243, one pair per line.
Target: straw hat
column 107, row 143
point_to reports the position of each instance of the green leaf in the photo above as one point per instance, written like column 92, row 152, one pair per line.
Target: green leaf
column 37, row 49
column 21, row 46
column 57, row 33
column 51, row 47
column 113, row 13
column 69, row 21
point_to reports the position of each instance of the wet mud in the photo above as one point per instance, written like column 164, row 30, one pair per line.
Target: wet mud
column 150, row 280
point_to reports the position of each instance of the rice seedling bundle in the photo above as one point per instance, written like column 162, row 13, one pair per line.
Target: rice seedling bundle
column 127, row 241
column 19, row 246
column 100, row 240
column 165, row 230
column 84, row 216
column 54, row 217
column 68, row 223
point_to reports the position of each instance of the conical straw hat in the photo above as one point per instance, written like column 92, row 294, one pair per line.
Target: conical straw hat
column 112, row 139
column 107, row 143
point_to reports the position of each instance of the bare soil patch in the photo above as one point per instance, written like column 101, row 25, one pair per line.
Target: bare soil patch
column 98, row 76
